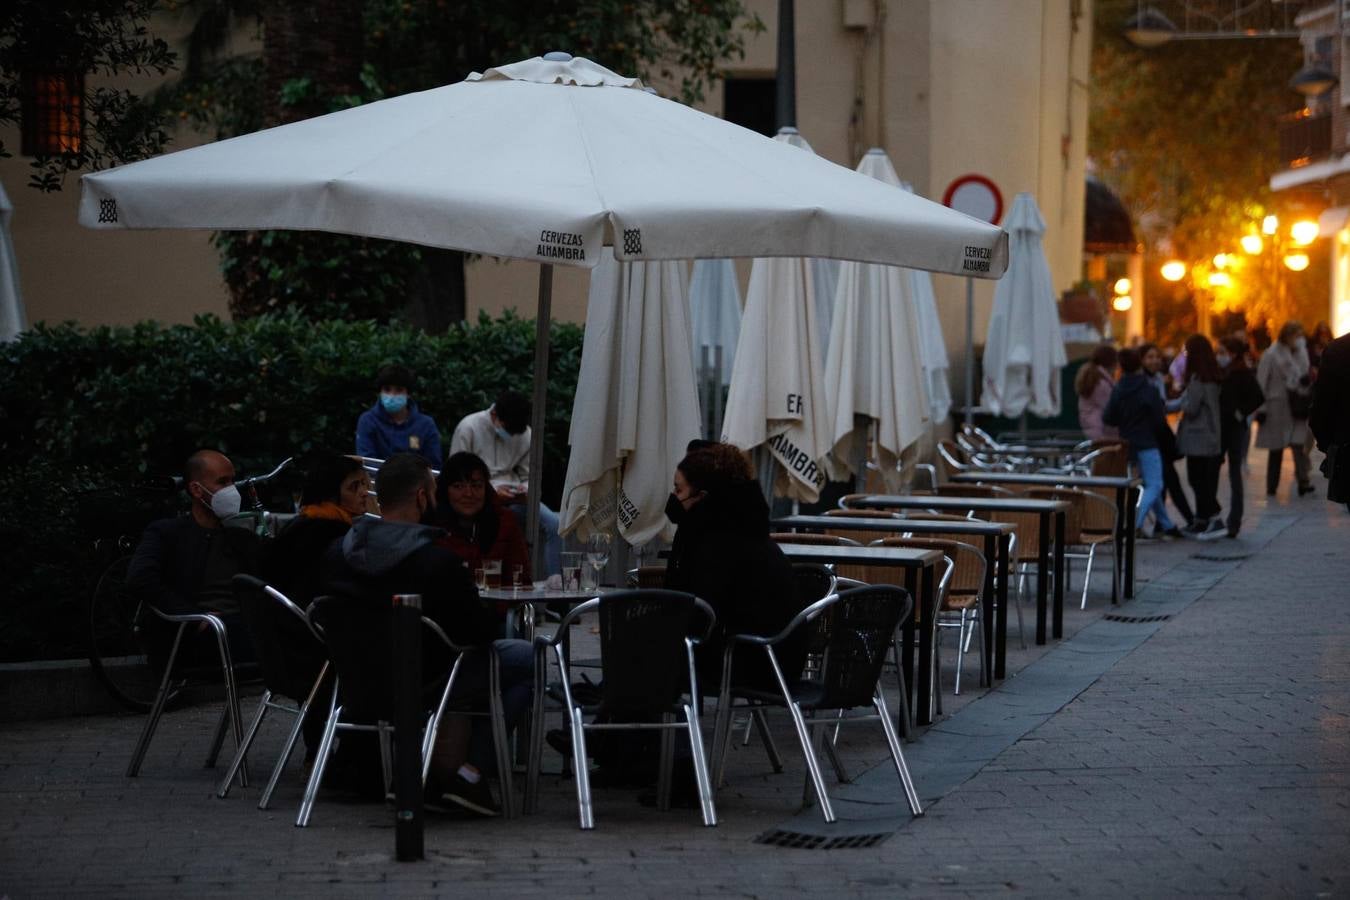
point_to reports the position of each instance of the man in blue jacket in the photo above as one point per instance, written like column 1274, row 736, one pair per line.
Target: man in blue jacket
column 395, row 424
column 1137, row 411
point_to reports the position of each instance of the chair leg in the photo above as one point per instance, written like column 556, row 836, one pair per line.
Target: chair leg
column 157, row 709
column 705, row 790
column 835, row 762
column 722, row 727
column 218, row 737
column 897, row 756
column 320, row 763
column 666, row 764
column 536, row 760
column 749, row 729
column 266, row 799
column 961, row 643
column 383, row 732
column 231, row 706
column 1087, row 574
column 239, row 754
column 812, row 762
column 906, row 717
column 499, row 736
column 585, row 809
column 761, row 725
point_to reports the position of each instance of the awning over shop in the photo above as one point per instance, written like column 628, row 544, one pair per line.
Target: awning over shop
column 1106, row 224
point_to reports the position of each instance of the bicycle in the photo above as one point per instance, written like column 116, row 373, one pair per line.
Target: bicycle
column 121, row 626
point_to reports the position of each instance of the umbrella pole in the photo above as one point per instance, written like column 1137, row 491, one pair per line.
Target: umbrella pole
column 542, row 322
column 970, row 350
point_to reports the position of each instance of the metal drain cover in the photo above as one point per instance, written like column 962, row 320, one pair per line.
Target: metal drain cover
column 799, row 841
column 1137, row 619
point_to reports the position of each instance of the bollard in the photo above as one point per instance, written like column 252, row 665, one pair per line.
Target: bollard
column 407, row 683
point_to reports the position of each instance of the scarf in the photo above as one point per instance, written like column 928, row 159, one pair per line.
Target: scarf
column 326, row 510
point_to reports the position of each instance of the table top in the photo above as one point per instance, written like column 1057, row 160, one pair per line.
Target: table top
column 905, row 557
column 940, row 503
column 967, row 526
column 540, row 595
column 1049, row 480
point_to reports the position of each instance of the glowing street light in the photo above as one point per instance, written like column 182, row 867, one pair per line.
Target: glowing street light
column 1173, row 270
column 1122, row 302
column 1270, row 225
column 1304, row 232
column 1223, row 279
column 1296, row 262
column 1221, row 260
column 1252, row 244
column 1122, row 286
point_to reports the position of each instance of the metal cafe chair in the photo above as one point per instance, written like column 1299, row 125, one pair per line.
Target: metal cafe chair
column 862, row 627
column 647, row 641
column 343, row 627
column 288, row 658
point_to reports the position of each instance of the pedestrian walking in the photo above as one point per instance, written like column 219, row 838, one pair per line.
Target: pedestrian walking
column 1198, row 436
column 1330, row 419
column 1153, row 367
column 1283, row 419
column 1137, row 411
column 1093, row 385
column 1239, row 397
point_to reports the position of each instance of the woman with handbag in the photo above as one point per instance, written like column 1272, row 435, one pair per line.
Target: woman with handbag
column 1283, row 419
column 1198, row 436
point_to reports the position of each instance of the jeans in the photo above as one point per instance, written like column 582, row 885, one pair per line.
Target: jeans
column 1203, row 474
column 516, row 660
column 1235, row 446
column 548, row 529
column 1151, row 470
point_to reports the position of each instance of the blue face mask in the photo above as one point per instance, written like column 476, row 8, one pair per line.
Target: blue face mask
column 1224, row 360
column 393, row 403
column 502, row 432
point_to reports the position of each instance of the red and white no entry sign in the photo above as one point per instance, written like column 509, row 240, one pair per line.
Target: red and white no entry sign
column 975, row 195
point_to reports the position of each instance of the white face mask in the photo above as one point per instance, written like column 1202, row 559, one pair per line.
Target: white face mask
column 224, row 502
column 1300, row 343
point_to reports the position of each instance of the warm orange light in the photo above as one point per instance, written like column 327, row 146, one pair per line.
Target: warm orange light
column 1304, row 232
column 1173, row 270
column 1122, row 303
column 1220, row 279
column 1252, row 244
column 1220, row 260
column 1270, row 225
column 1122, row 286
column 1296, row 262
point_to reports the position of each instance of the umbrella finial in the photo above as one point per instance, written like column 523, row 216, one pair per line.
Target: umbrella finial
column 558, row 56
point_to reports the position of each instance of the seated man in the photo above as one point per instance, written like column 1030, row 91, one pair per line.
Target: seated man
column 396, row 554
column 500, row 436
column 394, row 424
column 185, row 564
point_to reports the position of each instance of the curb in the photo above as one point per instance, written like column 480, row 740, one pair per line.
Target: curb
column 51, row 689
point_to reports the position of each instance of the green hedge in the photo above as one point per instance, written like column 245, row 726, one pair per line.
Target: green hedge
column 83, row 411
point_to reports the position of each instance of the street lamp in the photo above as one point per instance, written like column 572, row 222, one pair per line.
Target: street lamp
column 1312, row 80
column 1296, row 262
column 1149, row 28
column 1173, row 270
column 1252, row 244
column 1304, row 232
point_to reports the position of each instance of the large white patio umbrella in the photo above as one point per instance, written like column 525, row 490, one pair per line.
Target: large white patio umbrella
column 715, row 311
column 873, row 367
column 12, row 318
column 1024, row 350
column 548, row 159
column 932, row 343
column 636, row 406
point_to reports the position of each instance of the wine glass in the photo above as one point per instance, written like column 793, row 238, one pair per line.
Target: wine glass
column 597, row 554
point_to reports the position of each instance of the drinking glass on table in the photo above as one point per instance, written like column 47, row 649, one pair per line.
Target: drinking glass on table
column 597, row 554
column 480, row 578
column 517, row 570
column 493, row 569
column 571, row 571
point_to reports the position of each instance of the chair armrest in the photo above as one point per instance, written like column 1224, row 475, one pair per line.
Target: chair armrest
column 544, row 640
column 806, row 615
column 211, row 619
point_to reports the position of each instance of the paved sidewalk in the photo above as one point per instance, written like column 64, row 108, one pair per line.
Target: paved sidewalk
column 1213, row 758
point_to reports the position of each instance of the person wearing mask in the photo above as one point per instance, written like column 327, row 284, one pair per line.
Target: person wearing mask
column 1093, row 385
column 477, row 525
column 500, row 436
column 1198, row 436
column 1152, row 363
column 1239, row 397
column 1136, row 409
column 1283, row 419
column 334, row 493
column 395, row 424
column 1330, row 418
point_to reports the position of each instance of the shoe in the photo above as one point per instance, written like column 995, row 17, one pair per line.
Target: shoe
column 1194, row 530
column 1213, row 529
column 476, row 797
column 1233, row 531
column 1173, row 534
column 1306, row 489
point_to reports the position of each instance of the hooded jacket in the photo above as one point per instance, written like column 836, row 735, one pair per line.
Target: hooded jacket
column 1137, row 411
column 380, row 437
column 375, row 560
column 722, row 554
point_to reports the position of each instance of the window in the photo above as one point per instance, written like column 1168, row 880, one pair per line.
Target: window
column 751, row 103
column 52, row 113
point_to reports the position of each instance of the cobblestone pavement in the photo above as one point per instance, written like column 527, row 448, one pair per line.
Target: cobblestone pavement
column 1213, row 759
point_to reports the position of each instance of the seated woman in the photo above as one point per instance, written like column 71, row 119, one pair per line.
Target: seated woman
column 334, row 493
column 723, row 554
column 477, row 525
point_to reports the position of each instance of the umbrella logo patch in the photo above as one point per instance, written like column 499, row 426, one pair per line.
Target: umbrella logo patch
column 977, row 259
column 107, row 211
column 560, row 245
column 632, row 241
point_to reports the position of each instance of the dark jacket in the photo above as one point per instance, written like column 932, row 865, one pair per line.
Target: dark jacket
column 1239, row 397
column 363, row 571
column 379, row 436
column 1330, row 417
column 293, row 562
column 1137, row 411
column 170, row 561
column 722, row 553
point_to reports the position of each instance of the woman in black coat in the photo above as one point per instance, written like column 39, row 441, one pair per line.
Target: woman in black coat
column 722, row 553
column 1239, row 397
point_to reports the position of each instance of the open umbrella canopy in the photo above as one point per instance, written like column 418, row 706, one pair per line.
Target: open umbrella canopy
column 547, row 160
column 873, row 364
column 636, row 406
column 1024, row 349
column 932, row 344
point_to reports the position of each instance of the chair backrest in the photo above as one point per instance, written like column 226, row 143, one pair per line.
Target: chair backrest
column 1111, row 459
column 968, row 562
column 862, row 625
column 289, row 652
column 359, row 638
column 926, row 516
column 647, row 577
column 1073, row 519
column 642, row 648
column 952, row 457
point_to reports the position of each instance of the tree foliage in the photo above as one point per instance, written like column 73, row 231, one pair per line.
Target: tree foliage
column 97, row 38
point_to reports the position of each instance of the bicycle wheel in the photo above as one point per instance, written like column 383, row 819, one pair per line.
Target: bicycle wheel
column 118, row 636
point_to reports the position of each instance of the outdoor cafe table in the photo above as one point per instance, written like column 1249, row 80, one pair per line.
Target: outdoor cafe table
column 995, row 538
column 1044, row 510
column 1127, row 496
column 920, row 580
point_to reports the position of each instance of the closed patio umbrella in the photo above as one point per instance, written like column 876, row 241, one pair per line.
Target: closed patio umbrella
column 715, row 311
column 12, row 319
column 548, row 159
column 1024, row 350
column 932, row 344
column 636, row 406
